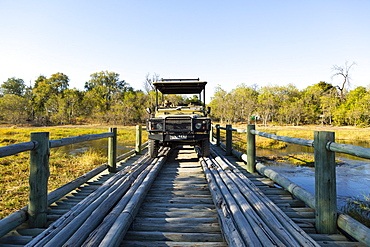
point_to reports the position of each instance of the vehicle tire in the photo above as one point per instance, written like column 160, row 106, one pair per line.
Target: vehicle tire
column 205, row 148
column 153, row 147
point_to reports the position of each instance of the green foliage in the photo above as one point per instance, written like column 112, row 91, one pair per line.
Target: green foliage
column 13, row 109
column 109, row 99
column 286, row 105
column 13, row 86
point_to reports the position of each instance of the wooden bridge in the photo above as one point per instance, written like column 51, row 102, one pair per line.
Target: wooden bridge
column 177, row 199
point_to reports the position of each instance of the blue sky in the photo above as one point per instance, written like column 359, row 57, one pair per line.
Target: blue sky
column 226, row 43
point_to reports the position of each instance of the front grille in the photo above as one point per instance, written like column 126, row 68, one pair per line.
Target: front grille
column 178, row 124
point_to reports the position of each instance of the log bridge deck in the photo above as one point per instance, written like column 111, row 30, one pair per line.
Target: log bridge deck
column 178, row 200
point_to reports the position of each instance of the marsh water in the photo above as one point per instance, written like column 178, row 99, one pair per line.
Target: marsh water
column 353, row 176
column 96, row 145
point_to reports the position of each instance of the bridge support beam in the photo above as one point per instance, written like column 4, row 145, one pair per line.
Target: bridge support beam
column 218, row 138
column 325, row 184
column 112, row 151
column 138, row 139
column 38, row 180
column 229, row 140
column 251, row 149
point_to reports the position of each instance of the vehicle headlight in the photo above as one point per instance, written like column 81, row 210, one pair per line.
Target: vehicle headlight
column 198, row 126
column 159, row 126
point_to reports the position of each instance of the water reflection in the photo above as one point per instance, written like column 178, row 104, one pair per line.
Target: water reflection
column 353, row 178
column 96, row 145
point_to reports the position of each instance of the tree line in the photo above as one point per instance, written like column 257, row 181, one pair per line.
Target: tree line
column 106, row 99
column 321, row 103
column 50, row 101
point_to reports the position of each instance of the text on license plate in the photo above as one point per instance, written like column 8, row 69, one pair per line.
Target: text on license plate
column 178, row 137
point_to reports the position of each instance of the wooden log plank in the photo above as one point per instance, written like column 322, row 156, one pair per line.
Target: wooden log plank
column 266, row 234
column 354, row 228
column 341, row 244
column 172, row 227
column 10, row 222
column 176, row 214
column 171, row 244
column 16, row 240
column 93, row 200
column 269, row 208
column 114, row 228
column 328, row 237
column 78, row 139
column 180, row 205
column 245, row 229
column 178, row 200
column 99, row 213
column 177, row 220
column 173, row 236
column 17, row 148
column 194, row 193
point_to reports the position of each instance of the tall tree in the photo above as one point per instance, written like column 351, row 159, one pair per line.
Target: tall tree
column 14, row 86
column 45, row 92
column 148, row 82
column 13, row 108
column 343, row 72
column 245, row 100
column 107, row 84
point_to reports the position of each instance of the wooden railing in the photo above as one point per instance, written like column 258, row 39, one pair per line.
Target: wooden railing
column 325, row 199
column 39, row 148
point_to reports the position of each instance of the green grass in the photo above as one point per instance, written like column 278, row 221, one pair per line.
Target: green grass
column 14, row 170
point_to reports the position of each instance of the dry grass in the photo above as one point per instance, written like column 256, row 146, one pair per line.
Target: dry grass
column 359, row 209
column 64, row 168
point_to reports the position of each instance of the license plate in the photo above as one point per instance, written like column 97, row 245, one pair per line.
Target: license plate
column 178, row 137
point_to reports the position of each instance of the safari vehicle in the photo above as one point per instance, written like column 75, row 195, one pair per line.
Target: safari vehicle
column 174, row 125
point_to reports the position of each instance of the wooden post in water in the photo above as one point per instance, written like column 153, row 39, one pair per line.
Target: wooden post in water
column 112, row 151
column 38, row 180
column 229, row 140
column 138, row 139
column 325, row 184
column 218, row 136
column 251, row 149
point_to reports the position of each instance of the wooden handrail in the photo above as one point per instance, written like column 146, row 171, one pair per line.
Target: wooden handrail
column 39, row 173
column 325, row 148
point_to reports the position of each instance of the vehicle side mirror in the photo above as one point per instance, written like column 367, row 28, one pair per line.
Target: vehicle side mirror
column 208, row 110
column 148, row 110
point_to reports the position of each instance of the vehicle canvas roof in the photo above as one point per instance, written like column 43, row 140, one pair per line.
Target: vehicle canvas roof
column 180, row 86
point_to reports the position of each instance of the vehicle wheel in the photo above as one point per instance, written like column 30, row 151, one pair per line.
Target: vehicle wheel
column 153, row 148
column 205, row 148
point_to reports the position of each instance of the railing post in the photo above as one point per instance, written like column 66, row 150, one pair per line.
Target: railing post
column 325, row 184
column 251, row 149
column 112, row 151
column 218, row 135
column 211, row 134
column 38, row 180
column 229, row 140
column 138, row 139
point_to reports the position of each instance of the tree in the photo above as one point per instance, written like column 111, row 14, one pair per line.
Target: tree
column 271, row 99
column 343, row 72
column 245, row 100
column 219, row 104
column 148, row 82
column 14, row 86
column 106, row 84
column 13, row 108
